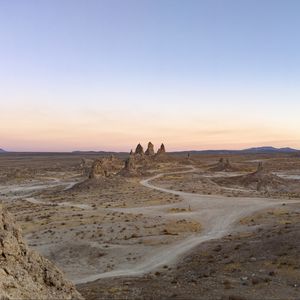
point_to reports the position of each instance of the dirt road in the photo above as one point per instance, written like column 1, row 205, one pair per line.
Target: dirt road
column 217, row 214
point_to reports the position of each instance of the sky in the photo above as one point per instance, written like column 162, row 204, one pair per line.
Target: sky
column 107, row 74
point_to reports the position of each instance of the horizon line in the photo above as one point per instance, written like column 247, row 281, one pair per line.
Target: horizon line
column 173, row 151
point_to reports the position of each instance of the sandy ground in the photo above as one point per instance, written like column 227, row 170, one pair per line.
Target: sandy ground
column 217, row 215
column 123, row 227
column 262, row 261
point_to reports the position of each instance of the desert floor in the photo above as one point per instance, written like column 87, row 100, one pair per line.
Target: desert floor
column 183, row 229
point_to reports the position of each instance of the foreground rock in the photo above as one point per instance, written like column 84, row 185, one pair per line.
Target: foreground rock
column 24, row 274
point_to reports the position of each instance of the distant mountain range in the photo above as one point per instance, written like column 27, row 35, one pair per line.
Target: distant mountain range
column 269, row 149
column 257, row 150
column 2, row 151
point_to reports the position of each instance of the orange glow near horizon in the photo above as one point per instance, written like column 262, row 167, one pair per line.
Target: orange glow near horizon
column 80, row 121
column 43, row 134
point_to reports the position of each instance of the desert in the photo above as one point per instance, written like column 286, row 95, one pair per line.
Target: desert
column 149, row 150
column 124, row 225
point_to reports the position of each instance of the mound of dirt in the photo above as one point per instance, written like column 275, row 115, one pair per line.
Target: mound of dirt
column 94, row 184
column 24, row 274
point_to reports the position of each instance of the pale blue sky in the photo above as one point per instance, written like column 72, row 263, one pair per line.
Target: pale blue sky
column 106, row 74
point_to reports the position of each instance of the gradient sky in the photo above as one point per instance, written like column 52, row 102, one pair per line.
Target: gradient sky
column 107, row 74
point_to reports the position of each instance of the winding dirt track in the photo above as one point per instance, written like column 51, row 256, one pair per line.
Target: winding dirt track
column 217, row 214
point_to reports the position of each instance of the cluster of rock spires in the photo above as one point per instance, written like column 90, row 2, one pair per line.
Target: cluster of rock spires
column 108, row 167
column 24, row 274
column 139, row 150
column 138, row 156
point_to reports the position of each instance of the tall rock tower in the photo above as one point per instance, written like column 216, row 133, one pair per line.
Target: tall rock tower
column 150, row 149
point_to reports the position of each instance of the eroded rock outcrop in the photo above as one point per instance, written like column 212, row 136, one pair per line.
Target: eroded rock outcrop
column 24, row 274
column 98, row 169
column 130, row 169
column 150, row 149
column 139, row 150
column 223, row 166
column 105, row 167
column 264, row 179
column 261, row 180
column 129, row 164
column 161, row 150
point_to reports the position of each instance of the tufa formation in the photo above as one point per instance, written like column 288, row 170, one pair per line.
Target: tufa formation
column 223, row 166
column 150, row 149
column 161, row 150
column 105, row 167
column 139, row 150
column 129, row 169
column 99, row 169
